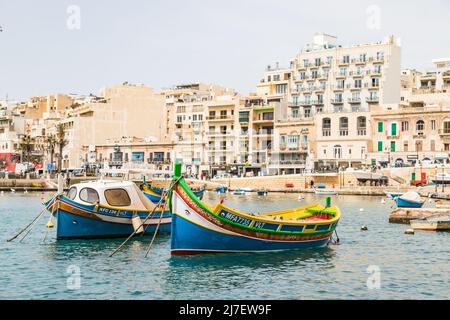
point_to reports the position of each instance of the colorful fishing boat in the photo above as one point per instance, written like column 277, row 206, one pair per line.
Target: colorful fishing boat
column 409, row 200
column 200, row 228
column 154, row 194
column 106, row 209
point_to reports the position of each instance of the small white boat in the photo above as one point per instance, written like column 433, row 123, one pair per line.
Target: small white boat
column 325, row 192
column 410, row 199
column 432, row 223
column 238, row 192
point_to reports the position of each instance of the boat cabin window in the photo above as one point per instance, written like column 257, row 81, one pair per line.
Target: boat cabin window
column 89, row 195
column 72, row 193
column 117, row 197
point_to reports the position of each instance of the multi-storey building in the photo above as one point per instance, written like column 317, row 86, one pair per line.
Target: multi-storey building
column 187, row 124
column 411, row 133
column 222, row 135
column 339, row 86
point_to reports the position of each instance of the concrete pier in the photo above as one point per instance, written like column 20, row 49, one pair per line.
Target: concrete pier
column 405, row 215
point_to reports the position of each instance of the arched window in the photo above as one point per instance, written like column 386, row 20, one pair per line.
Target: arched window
column 361, row 126
column 337, row 151
column 326, row 123
column 326, row 127
column 343, row 126
column 343, row 123
column 420, row 125
column 362, row 123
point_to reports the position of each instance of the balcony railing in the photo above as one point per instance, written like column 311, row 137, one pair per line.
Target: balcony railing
column 444, row 132
column 337, row 101
column 220, row 117
column 372, row 99
column 343, row 132
column 354, row 100
column 326, row 132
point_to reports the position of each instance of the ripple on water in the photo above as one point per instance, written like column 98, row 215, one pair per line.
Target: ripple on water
column 411, row 267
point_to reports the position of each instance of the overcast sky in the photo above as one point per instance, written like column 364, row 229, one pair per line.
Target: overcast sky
column 162, row 43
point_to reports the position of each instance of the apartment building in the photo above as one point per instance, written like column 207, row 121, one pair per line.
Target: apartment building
column 339, row 86
column 411, row 133
column 187, row 123
column 222, row 135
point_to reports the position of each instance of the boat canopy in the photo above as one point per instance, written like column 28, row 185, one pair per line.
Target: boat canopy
column 118, row 194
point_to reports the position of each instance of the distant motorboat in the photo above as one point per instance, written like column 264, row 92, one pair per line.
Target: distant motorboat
column 239, row 192
column 262, row 192
column 13, row 190
column 325, row 192
column 432, row 223
column 409, row 200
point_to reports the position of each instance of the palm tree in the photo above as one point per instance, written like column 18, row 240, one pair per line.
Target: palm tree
column 61, row 142
column 50, row 142
column 26, row 146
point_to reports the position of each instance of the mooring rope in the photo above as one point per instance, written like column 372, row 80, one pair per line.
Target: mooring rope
column 32, row 223
column 145, row 220
column 157, row 227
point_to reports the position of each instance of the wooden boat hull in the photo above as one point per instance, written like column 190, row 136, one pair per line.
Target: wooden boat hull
column 78, row 221
column 430, row 225
column 401, row 203
column 195, row 230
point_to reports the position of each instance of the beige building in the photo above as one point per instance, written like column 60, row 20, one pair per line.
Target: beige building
column 410, row 134
column 339, row 86
column 122, row 111
column 192, row 113
column 131, row 153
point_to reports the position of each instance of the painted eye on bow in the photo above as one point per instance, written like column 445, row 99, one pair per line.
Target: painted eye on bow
column 187, row 212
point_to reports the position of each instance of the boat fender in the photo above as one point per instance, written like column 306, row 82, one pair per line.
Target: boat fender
column 137, row 224
column 50, row 223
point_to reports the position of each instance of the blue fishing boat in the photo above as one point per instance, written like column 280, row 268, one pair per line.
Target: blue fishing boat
column 200, row 228
column 106, row 209
column 409, row 200
column 221, row 189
